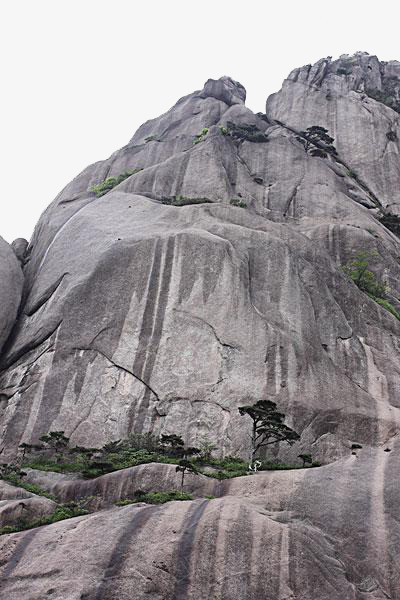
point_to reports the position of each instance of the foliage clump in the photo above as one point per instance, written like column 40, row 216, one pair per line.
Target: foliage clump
column 154, row 497
column 358, row 270
column 184, row 200
column 199, row 137
column 138, row 449
column 246, row 132
column 108, row 184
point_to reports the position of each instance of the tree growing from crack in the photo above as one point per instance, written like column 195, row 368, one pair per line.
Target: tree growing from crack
column 268, row 427
column 317, row 141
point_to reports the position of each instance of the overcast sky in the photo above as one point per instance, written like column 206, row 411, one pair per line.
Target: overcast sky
column 80, row 76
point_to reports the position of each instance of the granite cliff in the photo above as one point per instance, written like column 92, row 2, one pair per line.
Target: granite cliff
column 209, row 277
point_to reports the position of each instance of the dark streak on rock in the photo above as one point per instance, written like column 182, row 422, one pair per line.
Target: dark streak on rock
column 106, row 588
column 152, row 326
column 186, row 545
column 18, row 553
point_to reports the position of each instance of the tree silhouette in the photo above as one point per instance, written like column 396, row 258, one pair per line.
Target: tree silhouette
column 317, row 141
column 268, row 426
column 57, row 441
column 174, row 444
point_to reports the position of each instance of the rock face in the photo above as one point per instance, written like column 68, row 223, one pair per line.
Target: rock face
column 11, row 278
column 141, row 315
column 304, row 534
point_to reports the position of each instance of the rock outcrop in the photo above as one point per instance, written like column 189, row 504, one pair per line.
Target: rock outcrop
column 11, row 278
column 210, row 277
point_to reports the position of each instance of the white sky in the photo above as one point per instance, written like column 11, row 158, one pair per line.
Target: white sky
column 80, row 76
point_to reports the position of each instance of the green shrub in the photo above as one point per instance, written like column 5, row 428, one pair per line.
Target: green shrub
column 150, row 138
column 223, row 130
column 227, row 475
column 54, row 467
column 155, row 498
column 110, row 183
column 184, row 200
column 389, row 307
column 358, row 270
column 199, row 137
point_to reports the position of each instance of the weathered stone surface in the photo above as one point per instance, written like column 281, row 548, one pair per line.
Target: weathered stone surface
column 272, row 535
column 168, row 318
column 106, row 490
column 10, row 290
column 11, row 492
column 28, row 510
column 140, row 316
column 17, row 505
column 323, row 94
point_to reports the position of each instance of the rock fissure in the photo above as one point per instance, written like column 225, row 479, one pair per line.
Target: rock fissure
column 119, row 366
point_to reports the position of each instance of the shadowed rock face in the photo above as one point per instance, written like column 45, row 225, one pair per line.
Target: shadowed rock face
column 141, row 316
column 11, row 278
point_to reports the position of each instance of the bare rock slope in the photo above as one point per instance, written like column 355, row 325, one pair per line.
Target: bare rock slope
column 208, row 278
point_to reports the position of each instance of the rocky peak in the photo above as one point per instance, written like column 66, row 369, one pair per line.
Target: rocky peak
column 225, row 89
column 360, row 72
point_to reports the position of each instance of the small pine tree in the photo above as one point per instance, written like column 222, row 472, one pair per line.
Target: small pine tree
column 185, row 466
column 57, row 441
column 26, row 448
column 268, row 426
column 173, row 444
column 317, row 141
